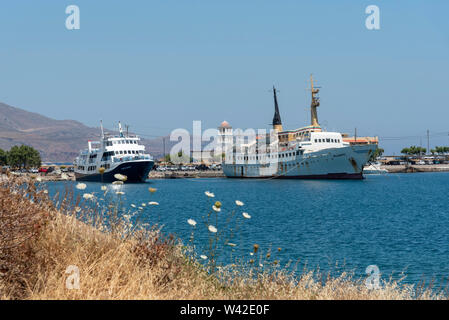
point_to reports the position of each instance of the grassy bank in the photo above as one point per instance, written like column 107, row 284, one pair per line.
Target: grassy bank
column 41, row 242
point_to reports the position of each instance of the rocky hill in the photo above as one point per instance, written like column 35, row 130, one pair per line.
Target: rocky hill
column 56, row 140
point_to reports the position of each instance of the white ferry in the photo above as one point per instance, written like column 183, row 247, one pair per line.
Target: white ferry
column 115, row 154
column 304, row 153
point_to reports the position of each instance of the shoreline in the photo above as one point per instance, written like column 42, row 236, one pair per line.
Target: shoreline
column 219, row 173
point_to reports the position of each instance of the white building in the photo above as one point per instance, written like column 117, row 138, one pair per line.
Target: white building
column 225, row 138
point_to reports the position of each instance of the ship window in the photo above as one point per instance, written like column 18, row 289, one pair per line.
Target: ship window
column 328, row 140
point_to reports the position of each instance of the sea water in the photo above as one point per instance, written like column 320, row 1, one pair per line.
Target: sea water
column 397, row 222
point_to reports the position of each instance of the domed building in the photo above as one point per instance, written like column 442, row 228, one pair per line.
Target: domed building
column 225, row 137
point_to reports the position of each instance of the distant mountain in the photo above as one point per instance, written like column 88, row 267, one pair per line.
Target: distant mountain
column 56, row 140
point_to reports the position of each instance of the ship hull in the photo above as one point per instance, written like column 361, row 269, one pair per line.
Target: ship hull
column 334, row 163
column 328, row 176
column 135, row 171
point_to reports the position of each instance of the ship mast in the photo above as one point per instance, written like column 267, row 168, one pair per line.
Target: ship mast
column 120, row 129
column 315, row 103
column 102, row 131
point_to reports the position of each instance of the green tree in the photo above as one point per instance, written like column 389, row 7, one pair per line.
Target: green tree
column 376, row 154
column 3, row 156
column 23, row 157
column 441, row 150
column 413, row 150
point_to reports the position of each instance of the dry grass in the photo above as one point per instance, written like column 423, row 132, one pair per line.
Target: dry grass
column 38, row 242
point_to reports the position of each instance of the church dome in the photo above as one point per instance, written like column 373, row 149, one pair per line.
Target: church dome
column 225, row 124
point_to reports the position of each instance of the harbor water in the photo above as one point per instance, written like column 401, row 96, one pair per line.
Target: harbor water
column 398, row 222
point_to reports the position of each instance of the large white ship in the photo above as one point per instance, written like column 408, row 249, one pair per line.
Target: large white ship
column 304, row 153
column 111, row 155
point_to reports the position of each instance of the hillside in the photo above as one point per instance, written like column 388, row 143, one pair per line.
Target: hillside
column 56, row 140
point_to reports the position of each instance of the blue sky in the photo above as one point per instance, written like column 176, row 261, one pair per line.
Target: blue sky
column 158, row 65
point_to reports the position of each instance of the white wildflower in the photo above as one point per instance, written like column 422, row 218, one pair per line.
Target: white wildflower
column 209, row 194
column 88, row 196
column 117, row 182
column 191, row 222
column 104, row 188
column 81, row 186
column 120, row 177
column 216, row 209
column 246, row 215
column 203, row 257
column 239, row 203
column 212, row 229
column 153, row 203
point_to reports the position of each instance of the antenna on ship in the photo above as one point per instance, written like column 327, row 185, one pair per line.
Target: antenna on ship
column 101, row 126
column 120, row 129
column 315, row 103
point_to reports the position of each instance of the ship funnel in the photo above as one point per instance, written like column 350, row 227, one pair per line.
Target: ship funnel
column 277, row 123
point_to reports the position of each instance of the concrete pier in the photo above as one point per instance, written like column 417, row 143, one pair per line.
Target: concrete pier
column 416, row 168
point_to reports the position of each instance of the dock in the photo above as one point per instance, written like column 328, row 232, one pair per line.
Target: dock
column 416, row 168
